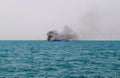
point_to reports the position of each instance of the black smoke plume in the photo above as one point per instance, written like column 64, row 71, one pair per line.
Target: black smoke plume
column 66, row 34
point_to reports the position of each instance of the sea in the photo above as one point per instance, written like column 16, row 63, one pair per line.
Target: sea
column 60, row 59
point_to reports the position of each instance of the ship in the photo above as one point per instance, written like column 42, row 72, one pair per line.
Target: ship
column 66, row 35
column 54, row 36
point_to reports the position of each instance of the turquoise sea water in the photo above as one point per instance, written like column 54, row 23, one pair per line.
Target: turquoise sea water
column 73, row 59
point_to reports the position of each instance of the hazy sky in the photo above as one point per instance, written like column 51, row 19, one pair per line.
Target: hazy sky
column 32, row 19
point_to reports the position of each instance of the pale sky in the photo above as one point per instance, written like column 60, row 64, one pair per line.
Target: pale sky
column 32, row 19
